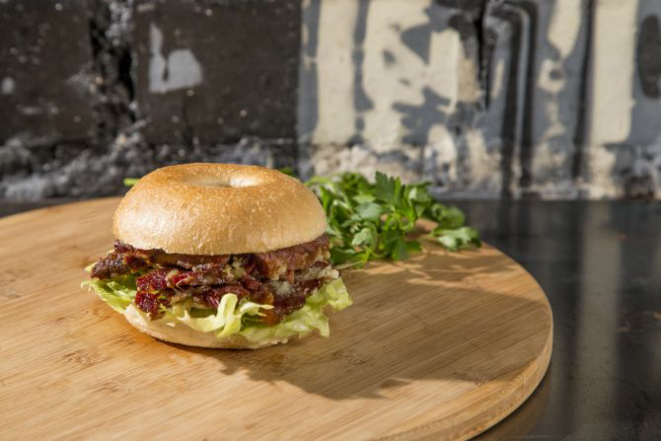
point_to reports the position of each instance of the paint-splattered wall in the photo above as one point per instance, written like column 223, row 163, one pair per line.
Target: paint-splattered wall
column 545, row 98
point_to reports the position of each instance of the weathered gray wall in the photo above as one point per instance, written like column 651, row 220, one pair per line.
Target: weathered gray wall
column 546, row 98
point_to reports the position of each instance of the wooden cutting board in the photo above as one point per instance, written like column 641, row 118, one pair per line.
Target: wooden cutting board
column 441, row 346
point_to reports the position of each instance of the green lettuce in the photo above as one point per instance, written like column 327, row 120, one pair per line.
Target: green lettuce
column 224, row 321
column 233, row 316
column 307, row 319
column 117, row 292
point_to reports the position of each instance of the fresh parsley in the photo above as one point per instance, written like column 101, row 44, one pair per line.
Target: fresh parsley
column 375, row 220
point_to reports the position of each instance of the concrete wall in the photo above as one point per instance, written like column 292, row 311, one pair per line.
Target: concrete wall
column 493, row 98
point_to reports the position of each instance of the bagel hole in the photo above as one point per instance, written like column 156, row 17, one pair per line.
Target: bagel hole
column 232, row 182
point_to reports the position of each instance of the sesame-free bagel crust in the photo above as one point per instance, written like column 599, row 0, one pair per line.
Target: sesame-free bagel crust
column 213, row 209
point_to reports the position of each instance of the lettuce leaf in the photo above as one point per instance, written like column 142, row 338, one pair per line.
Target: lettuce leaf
column 226, row 320
column 306, row 319
column 117, row 292
column 233, row 316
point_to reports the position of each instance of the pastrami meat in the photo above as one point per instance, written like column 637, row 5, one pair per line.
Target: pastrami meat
column 281, row 278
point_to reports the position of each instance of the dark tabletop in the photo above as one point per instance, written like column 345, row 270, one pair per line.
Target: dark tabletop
column 597, row 263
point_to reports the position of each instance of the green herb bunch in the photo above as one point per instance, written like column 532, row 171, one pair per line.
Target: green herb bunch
column 374, row 220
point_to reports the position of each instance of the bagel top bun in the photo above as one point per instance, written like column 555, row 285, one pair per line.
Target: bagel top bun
column 211, row 209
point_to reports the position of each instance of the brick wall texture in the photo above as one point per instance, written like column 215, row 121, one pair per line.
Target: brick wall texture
column 485, row 99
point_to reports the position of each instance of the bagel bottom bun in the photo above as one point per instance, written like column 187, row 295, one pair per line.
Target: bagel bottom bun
column 183, row 335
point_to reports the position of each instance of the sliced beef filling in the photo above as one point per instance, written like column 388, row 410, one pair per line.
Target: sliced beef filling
column 126, row 259
column 282, row 278
column 274, row 264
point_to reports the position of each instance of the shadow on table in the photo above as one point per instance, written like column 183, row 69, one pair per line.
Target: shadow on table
column 430, row 319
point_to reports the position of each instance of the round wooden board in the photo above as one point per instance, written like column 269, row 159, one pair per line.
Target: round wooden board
column 441, row 346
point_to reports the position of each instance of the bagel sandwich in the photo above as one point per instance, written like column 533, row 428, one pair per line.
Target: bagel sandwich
column 220, row 256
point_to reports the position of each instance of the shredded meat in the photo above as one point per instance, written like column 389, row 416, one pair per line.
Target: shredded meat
column 166, row 279
column 126, row 259
column 212, row 296
column 116, row 264
column 283, row 306
column 152, row 281
column 209, row 274
column 275, row 263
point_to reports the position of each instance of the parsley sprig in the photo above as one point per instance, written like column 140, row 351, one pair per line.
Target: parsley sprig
column 374, row 220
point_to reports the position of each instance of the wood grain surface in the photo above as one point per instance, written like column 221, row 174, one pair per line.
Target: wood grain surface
column 441, row 346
